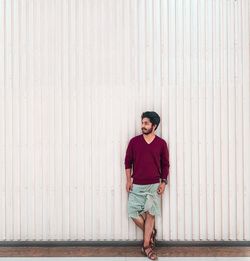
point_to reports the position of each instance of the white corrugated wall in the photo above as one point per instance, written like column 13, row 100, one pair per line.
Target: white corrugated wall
column 75, row 76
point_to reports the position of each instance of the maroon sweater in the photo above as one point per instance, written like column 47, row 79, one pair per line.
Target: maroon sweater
column 149, row 162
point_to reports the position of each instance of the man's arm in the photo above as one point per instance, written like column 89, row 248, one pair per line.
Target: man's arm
column 165, row 162
column 129, row 160
column 128, row 174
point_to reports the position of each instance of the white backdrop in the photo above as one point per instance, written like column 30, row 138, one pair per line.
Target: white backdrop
column 75, row 76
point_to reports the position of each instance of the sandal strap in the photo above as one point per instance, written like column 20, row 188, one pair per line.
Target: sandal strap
column 153, row 235
column 150, row 253
column 146, row 247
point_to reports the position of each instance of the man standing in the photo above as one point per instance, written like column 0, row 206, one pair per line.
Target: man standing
column 147, row 168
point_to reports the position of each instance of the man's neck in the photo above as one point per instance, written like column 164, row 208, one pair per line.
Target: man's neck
column 149, row 136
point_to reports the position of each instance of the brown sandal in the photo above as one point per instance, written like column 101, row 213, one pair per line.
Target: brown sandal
column 153, row 237
column 150, row 253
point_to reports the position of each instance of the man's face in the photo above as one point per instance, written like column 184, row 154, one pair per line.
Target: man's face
column 146, row 126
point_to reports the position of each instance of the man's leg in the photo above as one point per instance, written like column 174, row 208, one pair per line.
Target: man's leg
column 144, row 217
column 149, row 225
column 139, row 221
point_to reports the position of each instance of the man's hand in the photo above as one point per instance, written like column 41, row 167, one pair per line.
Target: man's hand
column 129, row 185
column 161, row 188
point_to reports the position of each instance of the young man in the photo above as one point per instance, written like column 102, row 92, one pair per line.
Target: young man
column 147, row 155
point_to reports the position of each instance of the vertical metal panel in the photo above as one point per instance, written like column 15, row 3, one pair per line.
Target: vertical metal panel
column 75, row 77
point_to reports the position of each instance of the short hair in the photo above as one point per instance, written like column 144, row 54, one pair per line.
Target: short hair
column 153, row 117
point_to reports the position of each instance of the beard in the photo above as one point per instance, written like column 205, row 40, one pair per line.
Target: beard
column 145, row 131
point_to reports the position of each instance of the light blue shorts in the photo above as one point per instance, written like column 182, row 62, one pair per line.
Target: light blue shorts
column 144, row 198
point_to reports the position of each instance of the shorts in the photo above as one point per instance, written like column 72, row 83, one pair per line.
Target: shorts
column 144, row 198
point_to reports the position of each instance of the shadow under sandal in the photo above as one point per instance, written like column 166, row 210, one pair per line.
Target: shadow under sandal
column 150, row 253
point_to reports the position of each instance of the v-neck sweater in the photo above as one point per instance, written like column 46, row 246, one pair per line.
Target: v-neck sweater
column 149, row 161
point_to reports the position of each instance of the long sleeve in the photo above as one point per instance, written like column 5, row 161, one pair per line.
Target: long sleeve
column 165, row 161
column 129, row 156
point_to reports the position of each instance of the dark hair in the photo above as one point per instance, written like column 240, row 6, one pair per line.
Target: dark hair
column 153, row 117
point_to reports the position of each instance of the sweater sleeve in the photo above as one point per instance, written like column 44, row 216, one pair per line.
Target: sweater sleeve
column 165, row 161
column 129, row 156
